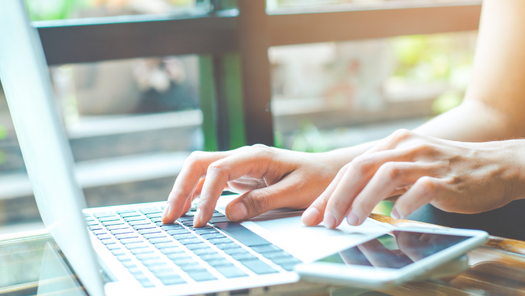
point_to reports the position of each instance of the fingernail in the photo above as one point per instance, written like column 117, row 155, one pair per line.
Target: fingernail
column 238, row 211
column 329, row 220
column 311, row 214
column 166, row 210
column 395, row 214
column 352, row 218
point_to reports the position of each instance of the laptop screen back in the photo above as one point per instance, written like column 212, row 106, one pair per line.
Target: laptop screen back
column 43, row 141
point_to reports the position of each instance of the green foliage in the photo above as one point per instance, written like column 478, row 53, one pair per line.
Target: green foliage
column 309, row 139
column 446, row 101
column 425, row 58
column 52, row 9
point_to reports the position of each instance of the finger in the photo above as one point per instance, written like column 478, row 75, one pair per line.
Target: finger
column 360, row 171
column 424, row 190
column 254, row 162
column 256, row 202
column 194, row 168
column 313, row 215
column 196, row 193
column 388, row 177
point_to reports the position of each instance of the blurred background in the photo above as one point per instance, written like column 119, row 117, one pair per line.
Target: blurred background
column 132, row 122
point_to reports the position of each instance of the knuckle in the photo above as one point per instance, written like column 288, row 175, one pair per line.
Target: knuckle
column 194, row 158
column 427, row 185
column 262, row 150
column 259, row 201
column 390, row 171
column 400, row 135
column 217, row 167
column 360, row 164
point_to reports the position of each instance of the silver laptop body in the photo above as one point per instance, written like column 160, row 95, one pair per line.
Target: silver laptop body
column 139, row 254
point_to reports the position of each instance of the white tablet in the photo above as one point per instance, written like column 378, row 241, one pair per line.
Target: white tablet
column 391, row 259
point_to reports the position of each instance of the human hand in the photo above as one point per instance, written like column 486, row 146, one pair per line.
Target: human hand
column 453, row 176
column 267, row 177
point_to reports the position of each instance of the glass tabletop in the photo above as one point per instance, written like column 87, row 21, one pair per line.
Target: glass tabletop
column 35, row 266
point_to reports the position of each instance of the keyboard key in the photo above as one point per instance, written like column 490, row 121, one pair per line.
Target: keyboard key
column 276, row 255
column 288, row 267
column 121, row 231
column 160, row 240
column 161, row 246
column 147, row 226
column 204, row 251
column 103, row 214
column 128, row 264
column 176, row 256
column 123, row 258
column 112, row 223
column 196, row 246
column 124, row 236
column 188, row 241
column 183, row 235
column 182, row 261
column 141, row 251
column 91, row 224
column 125, row 211
column 236, row 250
column 201, row 276
column 242, row 257
column 219, row 262
column 96, row 227
column 135, row 270
column 104, row 236
column 163, row 271
column 131, row 241
column 231, row 271
column 109, row 219
column 112, row 246
column 146, row 231
column 127, row 215
column 212, row 235
column 227, row 246
column 99, row 231
column 147, row 256
column 259, row 267
column 154, row 262
column 286, row 261
column 108, row 241
column 135, row 218
column 171, row 226
column 115, row 227
column 216, row 241
column 209, row 257
column 154, row 215
column 242, row 234
column 137, row 246
column 155, row 220
column 147, row 284
column 194, row 266
column 139, row 222
column 154, row 235
column 118, row 252
column 181, row 231
column 150, row 211
column 172, row 250
column 266, row 249
column 205, row 230
column 171, row 280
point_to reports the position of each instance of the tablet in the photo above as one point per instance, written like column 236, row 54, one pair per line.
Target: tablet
column 394, row 258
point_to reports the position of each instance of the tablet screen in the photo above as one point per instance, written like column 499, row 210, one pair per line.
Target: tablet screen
column 395, row 250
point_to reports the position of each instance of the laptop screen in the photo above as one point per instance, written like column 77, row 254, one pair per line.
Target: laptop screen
column 41, row 134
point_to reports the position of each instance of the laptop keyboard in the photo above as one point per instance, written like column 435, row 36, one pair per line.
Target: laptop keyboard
column 178, row 253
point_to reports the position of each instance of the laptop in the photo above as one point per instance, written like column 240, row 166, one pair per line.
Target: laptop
column 126, row 250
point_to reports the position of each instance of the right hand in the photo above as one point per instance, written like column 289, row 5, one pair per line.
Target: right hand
column 267, row 178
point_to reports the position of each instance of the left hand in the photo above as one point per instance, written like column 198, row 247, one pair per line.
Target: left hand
column 453, row 176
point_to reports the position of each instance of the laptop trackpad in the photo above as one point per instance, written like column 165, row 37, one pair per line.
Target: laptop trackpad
column 312, row 243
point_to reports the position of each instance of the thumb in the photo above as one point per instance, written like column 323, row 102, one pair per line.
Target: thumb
column 258, row 201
